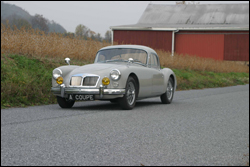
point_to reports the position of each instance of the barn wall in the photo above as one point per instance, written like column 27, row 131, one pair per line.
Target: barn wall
column 154, row 39
column 219, row 45
column 202, row 45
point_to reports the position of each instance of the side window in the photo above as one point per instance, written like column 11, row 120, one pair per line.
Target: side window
column 154, row 62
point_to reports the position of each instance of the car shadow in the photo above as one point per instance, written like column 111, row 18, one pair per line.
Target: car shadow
column 108, row 106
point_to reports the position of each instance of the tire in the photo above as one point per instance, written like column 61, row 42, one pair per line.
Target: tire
column 63, row 103
column 167, row 97
column 127, row 102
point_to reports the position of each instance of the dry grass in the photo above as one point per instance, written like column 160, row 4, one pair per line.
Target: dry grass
column 37, row 44
column 201, row 64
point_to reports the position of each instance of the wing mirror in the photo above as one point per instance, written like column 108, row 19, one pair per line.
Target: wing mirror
column 67, row 60
column 130, row 60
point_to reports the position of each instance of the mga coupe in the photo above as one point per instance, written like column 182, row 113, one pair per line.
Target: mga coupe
column 120, row 73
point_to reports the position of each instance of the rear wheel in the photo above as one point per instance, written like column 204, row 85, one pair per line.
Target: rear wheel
column 167, row 97
column 63, row 103
column 127, row 102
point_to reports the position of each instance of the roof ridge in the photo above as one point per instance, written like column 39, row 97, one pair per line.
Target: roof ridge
column 201, row 4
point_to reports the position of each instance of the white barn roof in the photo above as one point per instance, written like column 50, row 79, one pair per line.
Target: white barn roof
column 188, row 17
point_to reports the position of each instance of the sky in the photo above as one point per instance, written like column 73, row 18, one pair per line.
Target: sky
column 96, row 15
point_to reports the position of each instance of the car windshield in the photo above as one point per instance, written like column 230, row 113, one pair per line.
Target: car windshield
column 122, row 55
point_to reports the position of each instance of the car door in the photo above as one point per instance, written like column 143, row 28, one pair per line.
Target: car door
column 157, row 77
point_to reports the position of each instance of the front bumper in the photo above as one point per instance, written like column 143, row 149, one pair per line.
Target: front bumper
column 100, row 93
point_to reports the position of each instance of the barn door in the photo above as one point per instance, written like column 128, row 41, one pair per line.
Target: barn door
column 236, row 47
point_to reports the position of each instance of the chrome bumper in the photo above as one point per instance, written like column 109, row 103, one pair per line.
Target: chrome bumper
column 64, row 91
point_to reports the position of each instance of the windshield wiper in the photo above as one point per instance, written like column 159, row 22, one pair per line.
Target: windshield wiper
column 116, row 60
column 140, row 63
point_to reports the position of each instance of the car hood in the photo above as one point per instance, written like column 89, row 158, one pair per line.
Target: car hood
column 97, row 68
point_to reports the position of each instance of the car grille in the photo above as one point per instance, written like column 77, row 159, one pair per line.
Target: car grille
column 87, row 81
column 76, row 81
column 90, row 81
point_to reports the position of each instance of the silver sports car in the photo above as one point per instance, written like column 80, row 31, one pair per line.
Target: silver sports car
column 120, row 73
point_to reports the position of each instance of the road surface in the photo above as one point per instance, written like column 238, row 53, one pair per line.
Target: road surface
column 200, row 127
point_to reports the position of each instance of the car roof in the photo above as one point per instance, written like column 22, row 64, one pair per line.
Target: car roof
column 147, row 49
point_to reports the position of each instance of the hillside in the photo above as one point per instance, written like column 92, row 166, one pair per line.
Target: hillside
column 9, row 9
column 29, row 57
column 9, row 12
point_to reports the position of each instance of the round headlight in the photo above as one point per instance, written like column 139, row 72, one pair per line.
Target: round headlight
column 57, row 73
column 115, row 74
column 56, row 76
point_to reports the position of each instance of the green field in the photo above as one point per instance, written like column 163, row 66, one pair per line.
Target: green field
column 26, row 81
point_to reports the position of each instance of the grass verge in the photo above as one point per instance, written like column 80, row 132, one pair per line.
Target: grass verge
column 190, row 79
column 26, row 80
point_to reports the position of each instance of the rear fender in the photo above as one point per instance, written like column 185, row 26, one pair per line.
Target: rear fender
column 167, row 72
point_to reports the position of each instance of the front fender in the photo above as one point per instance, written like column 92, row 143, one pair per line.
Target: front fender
column 65, row 71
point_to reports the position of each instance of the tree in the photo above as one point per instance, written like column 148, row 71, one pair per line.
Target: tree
column 55, row 27
column 82, row 31
column 181, row 3
column 185, row 3
column 92, row 34
column 98, row 37
column 38, row 21
column 69, row 35
column 17, row 21
column 108, row 36
column 22, row 23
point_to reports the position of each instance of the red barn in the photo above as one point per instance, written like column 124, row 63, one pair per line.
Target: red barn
column 213, row 31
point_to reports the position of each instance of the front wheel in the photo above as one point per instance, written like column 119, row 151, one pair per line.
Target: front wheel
column 127, row 102
column 113, row 101
column 167, row 97
column 63, row 103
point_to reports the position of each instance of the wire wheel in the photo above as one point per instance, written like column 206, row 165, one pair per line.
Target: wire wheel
column 131, row 93
column 170, row 89
column 127, row 102
column 167, row 97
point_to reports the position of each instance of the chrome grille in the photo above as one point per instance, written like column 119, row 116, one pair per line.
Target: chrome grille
column 90, row 81
column 76, row 81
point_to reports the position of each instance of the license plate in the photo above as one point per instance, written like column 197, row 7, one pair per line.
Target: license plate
column 82, row 97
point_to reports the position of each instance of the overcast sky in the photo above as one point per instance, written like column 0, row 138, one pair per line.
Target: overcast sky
column 96, row 15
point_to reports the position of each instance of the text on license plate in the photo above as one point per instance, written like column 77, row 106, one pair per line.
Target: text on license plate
column 82, row 97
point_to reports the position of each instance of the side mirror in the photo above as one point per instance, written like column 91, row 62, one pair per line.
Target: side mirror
column 67, row 60
column 130, row 60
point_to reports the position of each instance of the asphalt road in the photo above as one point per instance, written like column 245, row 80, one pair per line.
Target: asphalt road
column 200, row 127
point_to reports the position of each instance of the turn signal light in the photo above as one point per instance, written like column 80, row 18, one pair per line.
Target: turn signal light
column 105, row 81
column 59, row 80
